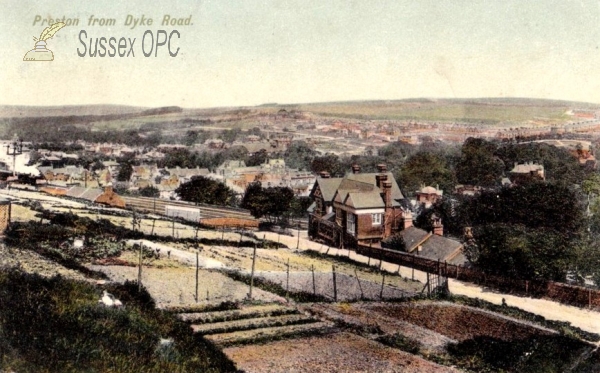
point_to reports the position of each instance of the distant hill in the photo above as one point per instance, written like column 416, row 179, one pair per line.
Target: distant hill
column 505, row 111
column 8, row 111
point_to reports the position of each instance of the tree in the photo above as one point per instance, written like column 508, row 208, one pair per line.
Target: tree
column 516, row 251
column 425, row 168
column 299, row 155
column 394, row 242
column 190, row 137
column 478, row 164
column 258, row 158
column 272, row 203
column 299, row 206
column 150, row 191
column 559, row 164
column 229, row 136
column 534, row 205
column 204, row 190
column 125, row 172
column 330, row 163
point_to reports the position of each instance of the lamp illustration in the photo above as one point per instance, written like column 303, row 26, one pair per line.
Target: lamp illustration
column 40, row 52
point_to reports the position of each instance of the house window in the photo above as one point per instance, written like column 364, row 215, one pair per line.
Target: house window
column 350, row 223
column 376, row 219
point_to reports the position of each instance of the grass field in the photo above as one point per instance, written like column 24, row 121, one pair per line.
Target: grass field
column 469, row 112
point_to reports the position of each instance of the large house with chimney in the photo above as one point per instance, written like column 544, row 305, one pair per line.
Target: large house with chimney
column 359, row 208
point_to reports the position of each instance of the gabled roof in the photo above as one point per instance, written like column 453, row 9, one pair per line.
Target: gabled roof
column 90, row 194
column 438, row 247
column 433, row 246
column 359, row 200
column 328, row 187
column 413, row 237
column 369, row 178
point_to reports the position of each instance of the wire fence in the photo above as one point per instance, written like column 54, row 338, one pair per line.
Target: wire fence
column 564, row 293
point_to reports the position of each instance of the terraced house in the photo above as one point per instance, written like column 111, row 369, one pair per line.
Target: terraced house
column 360, row 208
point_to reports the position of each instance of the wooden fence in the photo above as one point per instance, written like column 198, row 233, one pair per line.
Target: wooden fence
column 564, row 293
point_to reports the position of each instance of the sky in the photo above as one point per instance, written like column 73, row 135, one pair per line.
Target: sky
column 250, row 52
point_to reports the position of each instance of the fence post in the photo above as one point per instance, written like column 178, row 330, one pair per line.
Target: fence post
column 173, row 228
column 590, row 298
column 334, row 285
column 153, row 223
column 298, row 243
column 428, row 284
column 252, row 273
column 140, row 270
column 413, row 267
column 382, row 285
column 362, row 295
column 287, row 283
column 312, row 269
column 197, row 266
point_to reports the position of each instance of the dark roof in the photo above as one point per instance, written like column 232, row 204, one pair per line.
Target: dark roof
column 328, row 187
column 364, row 200
column 370, row 179
column 438, row 247
column 413, row 237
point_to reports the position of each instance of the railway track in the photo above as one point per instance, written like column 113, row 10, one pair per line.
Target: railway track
column 158, row 206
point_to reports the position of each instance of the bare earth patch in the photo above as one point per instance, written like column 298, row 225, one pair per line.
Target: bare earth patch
column 341, row 352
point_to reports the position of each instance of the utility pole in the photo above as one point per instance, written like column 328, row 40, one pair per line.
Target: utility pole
column 17, row 149
column 252, row 273
column 140, row 270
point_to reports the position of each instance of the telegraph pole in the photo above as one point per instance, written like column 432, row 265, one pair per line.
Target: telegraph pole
column 17, row 149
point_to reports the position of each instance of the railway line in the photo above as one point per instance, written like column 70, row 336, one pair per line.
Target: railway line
column 158, row 206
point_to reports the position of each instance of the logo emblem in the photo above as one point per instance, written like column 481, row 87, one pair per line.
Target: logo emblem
column 40, row 52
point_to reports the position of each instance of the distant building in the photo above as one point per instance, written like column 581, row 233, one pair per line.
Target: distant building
column 526, row 172
column 428, row 195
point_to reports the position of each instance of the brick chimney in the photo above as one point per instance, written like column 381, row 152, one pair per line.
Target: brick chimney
column 387, row 192
column 381, row 168
column 355, row 169
column 380, row 179
column 324, row 174
column 438, row 228
column 408, row 219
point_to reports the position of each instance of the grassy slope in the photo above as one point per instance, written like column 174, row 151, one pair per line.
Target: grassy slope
column 57, row 325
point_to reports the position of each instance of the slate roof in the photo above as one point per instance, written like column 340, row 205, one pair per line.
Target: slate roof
column 364, row 200
column 328, row 187
column 413, row 236
column 90, row 194
column 433, row 247
column 370, row 179
column 438, row 247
